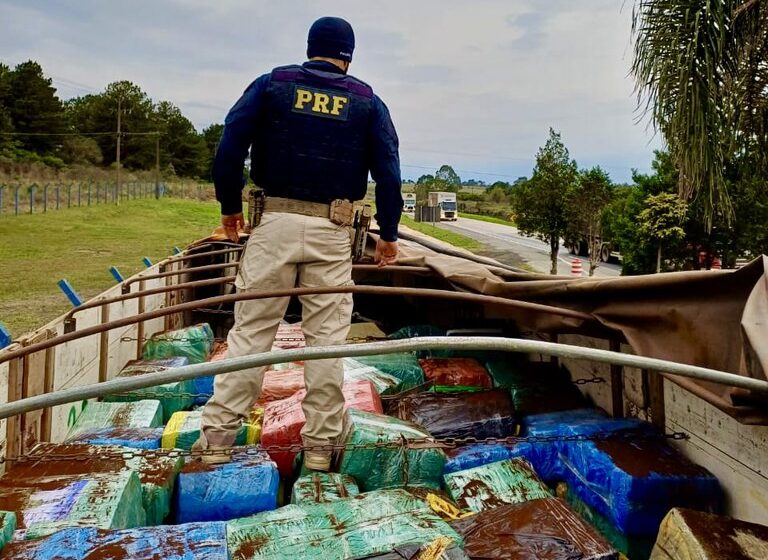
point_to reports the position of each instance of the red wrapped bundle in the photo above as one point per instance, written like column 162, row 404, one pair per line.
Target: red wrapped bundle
column 219, row 352
column 283, row 420
column 281, row 384
column 289, row 336
column 456, row 374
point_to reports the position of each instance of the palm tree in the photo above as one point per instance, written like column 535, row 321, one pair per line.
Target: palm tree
column 701, row 73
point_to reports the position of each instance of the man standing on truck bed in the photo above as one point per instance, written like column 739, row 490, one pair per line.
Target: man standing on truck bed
column 315, row 133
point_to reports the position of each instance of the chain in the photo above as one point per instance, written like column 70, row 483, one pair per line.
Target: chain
column 593, row 379
column 400, row 443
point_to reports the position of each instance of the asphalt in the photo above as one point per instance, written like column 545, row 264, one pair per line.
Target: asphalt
column 508, row 245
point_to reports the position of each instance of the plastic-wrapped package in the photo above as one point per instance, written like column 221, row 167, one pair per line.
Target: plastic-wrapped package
column 536, row 387
column 631, row 546
column 137, row 438
column 47, row 504
column 245, row 486
column 689, row 534
column 442, row 548
column 319, row 488
column 137, row 414
column 183, row 429
column 634, row 483
column 157, row 474
column 193, row 541
column 281, row 384
column 173, row 396
column 504, row 482
column 365, row 525
column 544, row 529
column 219, row 352
column 477, row 455
column 382, row 467
column 283, row 420
column 404, row 367
column 547, row 457
column 203, row 386
column 7, row 528
column 482, row 414
column 455, row 374
column 384, row 383
column 195, row 343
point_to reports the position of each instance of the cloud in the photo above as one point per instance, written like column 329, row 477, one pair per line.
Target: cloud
column 475, row 84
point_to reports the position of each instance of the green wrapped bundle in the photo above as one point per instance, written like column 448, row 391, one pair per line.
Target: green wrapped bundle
column 366, row 525
column 384, row 383
column 157, row 473
column 7, row 527
column 137, row 414
column 505, row 482
column 183, row 429
column 375, row 468
column 536, row 387
column 195, row 343
column 404, row 367
column 321, row 488
column 47, row 504
column 173, row 396
column 631, row 546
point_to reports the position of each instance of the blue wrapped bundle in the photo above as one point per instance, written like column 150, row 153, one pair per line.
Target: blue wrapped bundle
column 243, row 487
column 203, row 388
column 136, row 438
column 635, row 483
column 478, row 455
column 171, row 542
column 547, row 456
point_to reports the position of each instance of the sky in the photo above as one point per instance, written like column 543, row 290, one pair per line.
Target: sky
column 474, row 84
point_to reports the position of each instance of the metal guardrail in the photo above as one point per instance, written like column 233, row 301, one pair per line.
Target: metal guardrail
column 122, row 385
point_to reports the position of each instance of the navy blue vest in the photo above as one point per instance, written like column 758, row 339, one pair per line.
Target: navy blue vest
column 312, row 136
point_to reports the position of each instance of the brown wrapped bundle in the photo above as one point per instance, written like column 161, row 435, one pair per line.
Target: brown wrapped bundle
column 456, row 374
column 544, row 529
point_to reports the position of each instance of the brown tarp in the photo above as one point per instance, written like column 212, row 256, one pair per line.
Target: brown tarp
column 715, row 319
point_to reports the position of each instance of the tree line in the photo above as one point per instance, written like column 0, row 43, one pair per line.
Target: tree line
column 37, row 126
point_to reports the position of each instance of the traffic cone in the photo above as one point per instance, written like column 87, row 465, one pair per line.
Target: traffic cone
column 576, row 268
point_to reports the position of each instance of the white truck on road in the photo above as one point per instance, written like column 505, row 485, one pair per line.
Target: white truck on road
column 447, row 203
column 409, row 202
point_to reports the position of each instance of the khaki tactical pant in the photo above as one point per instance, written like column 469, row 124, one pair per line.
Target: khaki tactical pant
column 285, row 251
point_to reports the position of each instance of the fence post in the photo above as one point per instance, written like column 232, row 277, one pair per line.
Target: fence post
column 90, row 185
column 2, row 189
column 32, row 190
column 45, row 197
column 58, row 188
column 16, row 198
column 69, row 195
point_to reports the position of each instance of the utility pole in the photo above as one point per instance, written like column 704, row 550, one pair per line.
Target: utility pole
column 157, row 164
column 119, row 112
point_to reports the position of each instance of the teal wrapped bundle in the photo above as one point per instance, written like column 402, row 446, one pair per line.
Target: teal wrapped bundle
column 320, row 488
column 7, row 527
column 193, row 541
column 157, row 473
column 48, row 504
column 404, row 367
column 194, row 343
column 505, row 482
column 382, row 467
column 174, row 396
column 98, row 415
column 366, row 525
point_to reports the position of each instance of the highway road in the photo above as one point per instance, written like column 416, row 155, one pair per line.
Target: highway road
column 535, row 253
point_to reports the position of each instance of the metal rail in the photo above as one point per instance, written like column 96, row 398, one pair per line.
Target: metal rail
column 481, row 299
column 122, row 385
column 192, row 256
column 226, row 280
column 127, row 284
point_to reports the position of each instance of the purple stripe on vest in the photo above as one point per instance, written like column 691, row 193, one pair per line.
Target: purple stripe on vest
column 297, row 75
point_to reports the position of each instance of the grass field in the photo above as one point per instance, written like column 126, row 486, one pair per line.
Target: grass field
column 454, row 239
column 81, row 244
column 489, row 219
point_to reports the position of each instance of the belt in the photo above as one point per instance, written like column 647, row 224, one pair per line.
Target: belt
column 293, row 206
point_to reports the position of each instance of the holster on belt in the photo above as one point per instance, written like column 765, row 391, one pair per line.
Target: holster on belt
column 255, row 207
